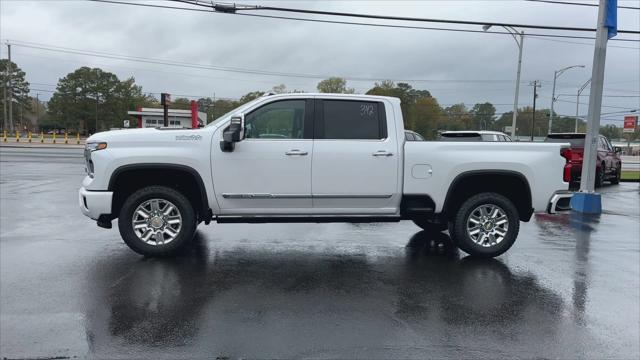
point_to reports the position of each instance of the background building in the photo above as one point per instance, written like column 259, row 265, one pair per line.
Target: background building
column 154, row 117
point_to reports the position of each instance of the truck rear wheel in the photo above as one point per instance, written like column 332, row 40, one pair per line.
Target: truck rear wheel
column 157, row 221
column 485, row 225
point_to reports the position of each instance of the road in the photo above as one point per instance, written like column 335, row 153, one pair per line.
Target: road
column 569, row 288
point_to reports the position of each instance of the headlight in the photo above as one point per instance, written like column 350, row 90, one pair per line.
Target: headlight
column 95, row 145
column 88, row 149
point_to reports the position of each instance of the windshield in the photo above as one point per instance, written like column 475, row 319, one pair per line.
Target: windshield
column 576, row 140
column 239, row 109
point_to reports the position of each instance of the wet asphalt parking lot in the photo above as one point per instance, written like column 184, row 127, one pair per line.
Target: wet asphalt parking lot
column 569, row 288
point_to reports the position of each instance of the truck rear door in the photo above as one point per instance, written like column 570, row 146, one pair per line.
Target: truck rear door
column 355, row 160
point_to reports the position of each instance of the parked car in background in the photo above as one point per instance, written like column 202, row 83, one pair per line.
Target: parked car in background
column 412, row 136
column 479, row 135
column 608, row 163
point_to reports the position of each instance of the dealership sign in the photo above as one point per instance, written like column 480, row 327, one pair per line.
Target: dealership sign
column 630, row 123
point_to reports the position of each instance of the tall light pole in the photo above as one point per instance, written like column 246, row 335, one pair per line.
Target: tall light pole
column 584, row 86
column 519, row 38
column 556, row 75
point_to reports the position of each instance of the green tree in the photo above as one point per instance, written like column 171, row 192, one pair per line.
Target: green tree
column 426, row 117
column 336, row 85
column 420, row 111
column 612, row 132
column 20, row 100
column 250, row 97
column 525, row 117
column 459, row 117
column 484, row 115
column 180, row 104
column 90, row 99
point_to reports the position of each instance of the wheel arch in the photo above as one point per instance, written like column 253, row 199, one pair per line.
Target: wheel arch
column 128, row 178
column 511, row 184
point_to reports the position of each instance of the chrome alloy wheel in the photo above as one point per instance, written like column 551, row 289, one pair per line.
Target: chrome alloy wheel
column 156, row 221
column 487, row 225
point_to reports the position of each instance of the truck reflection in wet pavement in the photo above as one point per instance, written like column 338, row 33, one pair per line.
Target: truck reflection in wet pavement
column 243, row 302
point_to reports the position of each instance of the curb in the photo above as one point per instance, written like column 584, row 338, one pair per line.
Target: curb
column 49, row 146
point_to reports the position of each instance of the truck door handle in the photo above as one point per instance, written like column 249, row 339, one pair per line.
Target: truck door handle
column 296, row 152
column 382, row 153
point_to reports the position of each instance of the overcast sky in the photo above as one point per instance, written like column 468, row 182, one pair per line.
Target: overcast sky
column 456, row 67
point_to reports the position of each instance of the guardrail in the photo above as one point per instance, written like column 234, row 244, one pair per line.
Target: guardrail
column 43, row 138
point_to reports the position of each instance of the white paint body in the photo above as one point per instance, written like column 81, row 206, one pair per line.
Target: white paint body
column 333, row 178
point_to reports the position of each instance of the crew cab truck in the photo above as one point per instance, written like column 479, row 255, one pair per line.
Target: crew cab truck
column 315, row 158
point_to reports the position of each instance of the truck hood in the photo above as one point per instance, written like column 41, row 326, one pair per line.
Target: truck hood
column 146, row 136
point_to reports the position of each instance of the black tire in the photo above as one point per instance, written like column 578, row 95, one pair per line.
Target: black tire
column 599, row 176
column 186, row 212
column 458, row 227
column 430, row 226
column 616, row 178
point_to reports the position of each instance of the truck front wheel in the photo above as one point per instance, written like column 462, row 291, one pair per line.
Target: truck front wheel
column 485, row 225
column 156, row 221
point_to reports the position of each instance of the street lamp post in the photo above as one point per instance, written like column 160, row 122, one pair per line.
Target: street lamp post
column 584, row 86
column 556, row 75
column 519, row 38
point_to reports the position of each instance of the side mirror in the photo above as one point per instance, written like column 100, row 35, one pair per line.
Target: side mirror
column 617, row 149
column 233, row 133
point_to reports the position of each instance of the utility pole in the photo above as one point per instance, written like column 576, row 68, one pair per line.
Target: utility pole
column 9, row 76
column 536, row 85
column 37, row 109
column 4, row 104
column 587, row 200
column 96, row 111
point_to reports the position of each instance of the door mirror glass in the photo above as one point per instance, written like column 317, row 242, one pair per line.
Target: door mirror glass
column 617, row 149
column 233, row 133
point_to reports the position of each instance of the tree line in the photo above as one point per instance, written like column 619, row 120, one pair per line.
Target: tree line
column 91, row 99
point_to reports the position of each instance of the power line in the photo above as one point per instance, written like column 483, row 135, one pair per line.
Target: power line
column 233, row 8
column 587, row 44
column 231, row 69
column 611, row 96
column 580, row 4
column 361, row 23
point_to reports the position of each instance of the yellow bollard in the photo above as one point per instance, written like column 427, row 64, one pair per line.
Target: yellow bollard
column 4, row 136
column 17, row 136
column 54, row 136
column 66, row 137
column 78, row 137
column 42, row 136
column 29, row 136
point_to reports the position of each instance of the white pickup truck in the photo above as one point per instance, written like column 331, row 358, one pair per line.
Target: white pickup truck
column 315, row 158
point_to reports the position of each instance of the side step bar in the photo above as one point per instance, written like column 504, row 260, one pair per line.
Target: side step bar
column 304, row 219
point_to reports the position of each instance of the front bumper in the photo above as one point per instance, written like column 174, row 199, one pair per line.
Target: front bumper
column 94, row 203
column 560, row 201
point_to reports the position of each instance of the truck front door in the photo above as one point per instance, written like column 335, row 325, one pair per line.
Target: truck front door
column 269, row 172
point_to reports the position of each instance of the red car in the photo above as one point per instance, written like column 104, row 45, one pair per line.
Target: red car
column 608, row 165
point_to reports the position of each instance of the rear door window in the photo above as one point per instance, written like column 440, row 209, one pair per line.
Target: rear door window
column 350, row 119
